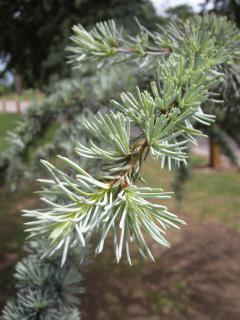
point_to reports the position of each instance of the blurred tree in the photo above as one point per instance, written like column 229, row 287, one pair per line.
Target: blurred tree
column 34, row 34
column 182, row 11
column 229, row 8
column 228, row 117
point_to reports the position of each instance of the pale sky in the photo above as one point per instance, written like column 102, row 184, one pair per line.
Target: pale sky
column 162, row 5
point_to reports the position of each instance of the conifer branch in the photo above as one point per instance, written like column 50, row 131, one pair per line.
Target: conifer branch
column 113, row 202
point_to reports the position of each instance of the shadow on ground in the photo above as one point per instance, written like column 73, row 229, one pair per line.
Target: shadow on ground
column 198, row 278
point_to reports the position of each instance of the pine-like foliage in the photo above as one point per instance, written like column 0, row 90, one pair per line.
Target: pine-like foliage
column 44, row 290
column 186, row 57
column 65, row 106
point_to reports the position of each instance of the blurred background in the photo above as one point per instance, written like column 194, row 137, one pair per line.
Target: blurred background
column 42, row 105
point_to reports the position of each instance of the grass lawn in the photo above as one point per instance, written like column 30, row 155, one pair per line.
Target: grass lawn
column 7, row 122
column 208, row 193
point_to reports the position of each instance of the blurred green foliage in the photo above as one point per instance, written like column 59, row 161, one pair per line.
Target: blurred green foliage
column 8, row 121
column 34, row 34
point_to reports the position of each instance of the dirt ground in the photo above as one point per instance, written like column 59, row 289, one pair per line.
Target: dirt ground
column 197, row 279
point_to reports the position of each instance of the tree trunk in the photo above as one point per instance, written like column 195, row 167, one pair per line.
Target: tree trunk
column 18, row 83
column 18, row 90
column 215, row 153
